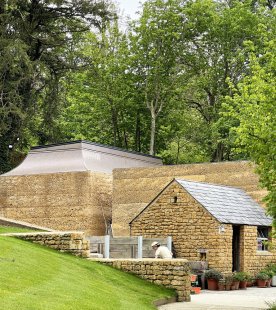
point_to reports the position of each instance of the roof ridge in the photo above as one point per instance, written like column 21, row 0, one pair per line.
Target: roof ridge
column 211, row 184
column 95, row 144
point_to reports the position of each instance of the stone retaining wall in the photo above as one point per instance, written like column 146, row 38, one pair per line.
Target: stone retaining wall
column 73, row 242
column 172, row 273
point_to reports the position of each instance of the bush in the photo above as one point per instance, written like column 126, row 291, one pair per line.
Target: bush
column 213, row 274
column 271, row 268
column 262, row 276
column 228, row 279
column 240, row 276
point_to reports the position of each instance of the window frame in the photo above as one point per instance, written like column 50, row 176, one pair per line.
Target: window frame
column 263, row 234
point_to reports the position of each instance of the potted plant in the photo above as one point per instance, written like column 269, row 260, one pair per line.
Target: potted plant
column 236, row 282
column 261, row 277
column 228, row 281
column 271, row 268
column 270, row 274
column 242, row 277
column 212, row 276
column 250, row 281
column 221, row 284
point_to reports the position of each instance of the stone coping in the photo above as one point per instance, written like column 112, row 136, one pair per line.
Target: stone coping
column 175, row 260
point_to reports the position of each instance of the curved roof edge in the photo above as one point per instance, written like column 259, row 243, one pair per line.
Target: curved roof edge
column 76, row 156
column 96, row 144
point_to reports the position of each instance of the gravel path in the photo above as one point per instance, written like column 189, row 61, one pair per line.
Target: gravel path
column 250, row 299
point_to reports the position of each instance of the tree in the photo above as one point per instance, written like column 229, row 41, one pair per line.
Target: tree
column 99, row 94
column 253, row 105
column 153, row 42
column 33, row 38
column 212, row 53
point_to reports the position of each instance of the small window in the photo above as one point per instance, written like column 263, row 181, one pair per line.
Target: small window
column 263, row 238
column 174, row 199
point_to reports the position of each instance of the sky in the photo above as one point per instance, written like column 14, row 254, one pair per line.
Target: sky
column 129, row 7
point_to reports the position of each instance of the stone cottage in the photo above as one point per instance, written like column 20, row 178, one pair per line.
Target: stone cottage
column 135, row 188
column 220, row 224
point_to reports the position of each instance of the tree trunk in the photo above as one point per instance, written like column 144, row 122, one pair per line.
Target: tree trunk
column 152, row 133
column 218, row 154
column 138, row 133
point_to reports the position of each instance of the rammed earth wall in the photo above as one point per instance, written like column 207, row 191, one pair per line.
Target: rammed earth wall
column 60, row 201
column 172, row 273
column 70, row 242
column 134, row 188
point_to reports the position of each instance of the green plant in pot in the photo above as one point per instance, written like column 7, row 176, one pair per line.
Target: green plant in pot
column 236, row 282
column 242, row 278
column 250, row 281
column 270, row 275
column 262, row 277
column 221, row 284
column 272, row 267
column 228, row 281
column 213, row 276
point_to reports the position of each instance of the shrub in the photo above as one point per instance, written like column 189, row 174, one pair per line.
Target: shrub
column 213, row 274
column 262, row 276
column 240, row 276
column 271, row 268
column 228, row 279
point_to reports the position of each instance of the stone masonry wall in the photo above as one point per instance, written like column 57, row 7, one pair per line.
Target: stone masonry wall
column 71, row 241
column 134, row 188
column 252, row 260
column 191, row 226
column 172, row 273
column 60, row 201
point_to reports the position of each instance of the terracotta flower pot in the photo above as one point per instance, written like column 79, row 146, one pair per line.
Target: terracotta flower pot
column 249, row 284
column 235, row 285
column 221, row 287
column 243, row 285
column 261, row 283
column 212, row 284
column 228, row 287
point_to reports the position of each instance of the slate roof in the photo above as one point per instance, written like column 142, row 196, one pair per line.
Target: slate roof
column 227, row 204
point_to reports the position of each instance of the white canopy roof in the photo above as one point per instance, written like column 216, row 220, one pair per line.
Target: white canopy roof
column 80, row 156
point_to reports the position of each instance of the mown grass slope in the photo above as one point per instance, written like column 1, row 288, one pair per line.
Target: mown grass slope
column 12, row 229
column 33, row 277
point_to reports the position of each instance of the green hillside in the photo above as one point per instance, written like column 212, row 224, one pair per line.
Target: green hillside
column 33, row 277
column 11, row 229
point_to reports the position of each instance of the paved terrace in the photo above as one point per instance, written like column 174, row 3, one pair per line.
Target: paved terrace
column 250, row 299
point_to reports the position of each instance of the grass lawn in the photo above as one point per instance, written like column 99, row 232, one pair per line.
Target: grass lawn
column 33, row 277
column 12, row 229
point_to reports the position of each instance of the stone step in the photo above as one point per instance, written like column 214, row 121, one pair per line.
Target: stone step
column 96, row 255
